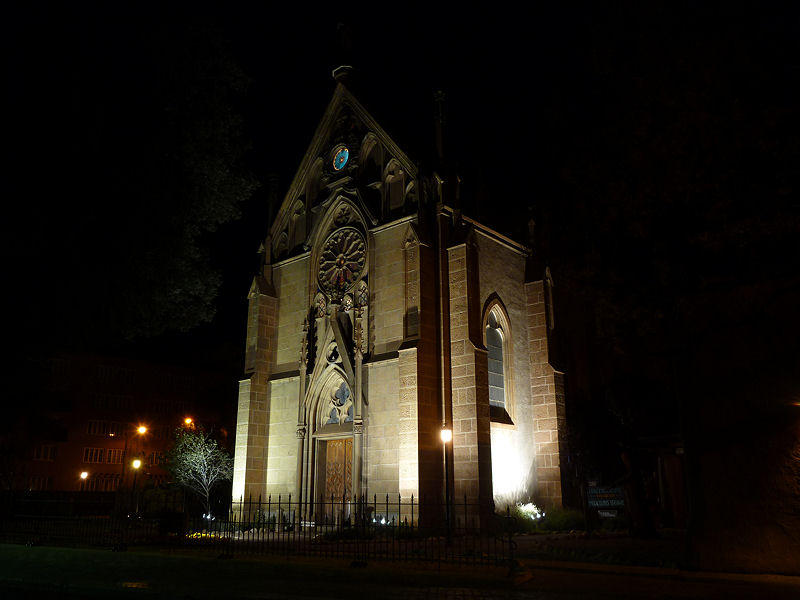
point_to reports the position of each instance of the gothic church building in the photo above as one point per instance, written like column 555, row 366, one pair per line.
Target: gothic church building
column 383, row 316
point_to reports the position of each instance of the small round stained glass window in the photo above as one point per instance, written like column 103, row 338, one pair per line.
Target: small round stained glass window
column 340, row 158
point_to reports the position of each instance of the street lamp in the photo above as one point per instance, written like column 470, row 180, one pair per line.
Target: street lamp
column 84, row 475
column 447, row 436
column 135, row 464
column 141, row 430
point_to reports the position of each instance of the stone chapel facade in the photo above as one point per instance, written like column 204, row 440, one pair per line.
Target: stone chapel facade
column 381, row 317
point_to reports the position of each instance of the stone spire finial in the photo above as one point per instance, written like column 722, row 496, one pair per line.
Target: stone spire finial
column 358, row 331
column 304, row 344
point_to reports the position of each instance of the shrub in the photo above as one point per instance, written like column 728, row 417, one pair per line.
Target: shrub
column 525, row 517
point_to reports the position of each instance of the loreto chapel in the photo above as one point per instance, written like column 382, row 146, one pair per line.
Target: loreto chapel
column 394, row 345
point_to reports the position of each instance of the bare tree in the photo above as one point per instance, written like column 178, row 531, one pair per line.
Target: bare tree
column 198, row 463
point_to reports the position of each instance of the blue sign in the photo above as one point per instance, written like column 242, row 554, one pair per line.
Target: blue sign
column 605, row 497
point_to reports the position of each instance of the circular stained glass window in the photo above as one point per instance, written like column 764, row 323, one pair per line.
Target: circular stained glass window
column 340, row 158
column 341, row 261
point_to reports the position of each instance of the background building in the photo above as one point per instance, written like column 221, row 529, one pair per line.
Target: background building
column 83, row 416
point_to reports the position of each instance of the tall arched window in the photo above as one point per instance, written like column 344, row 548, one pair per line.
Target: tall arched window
column 497, row 372
column 497, row 337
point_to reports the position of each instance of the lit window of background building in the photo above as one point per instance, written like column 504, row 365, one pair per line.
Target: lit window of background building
column 90, row 410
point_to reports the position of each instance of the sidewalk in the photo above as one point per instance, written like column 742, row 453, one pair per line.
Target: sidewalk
column 605, row 547
column 549, row 566
column 619, row 553
column 89, row 573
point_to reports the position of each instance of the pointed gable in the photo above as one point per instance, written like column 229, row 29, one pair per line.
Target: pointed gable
column 350, row 157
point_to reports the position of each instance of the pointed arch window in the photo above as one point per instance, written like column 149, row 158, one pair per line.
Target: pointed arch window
column 494, row 344
column 497, row 337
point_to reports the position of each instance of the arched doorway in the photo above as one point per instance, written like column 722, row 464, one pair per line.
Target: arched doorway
column 332, row 478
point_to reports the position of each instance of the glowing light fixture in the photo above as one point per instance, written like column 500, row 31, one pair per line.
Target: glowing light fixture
column 136, row 464
column 142, row 429
column 84, row 474
column 446, row 434
column 187, row 421
column 508, row 474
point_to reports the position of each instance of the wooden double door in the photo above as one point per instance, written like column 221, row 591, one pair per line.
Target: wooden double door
column 335, row 477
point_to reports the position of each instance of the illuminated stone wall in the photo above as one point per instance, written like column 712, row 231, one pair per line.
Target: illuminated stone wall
column 291, row 285
column 470, row 392
column 281, row 460
column 249, row 467
column 387, row 283
column 547, row 393
column 382, row 471
column 514, row 458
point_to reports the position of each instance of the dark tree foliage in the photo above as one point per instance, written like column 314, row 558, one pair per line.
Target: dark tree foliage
column 676, row 221
column 675, row 244
column 129, row 158
column 668, row 213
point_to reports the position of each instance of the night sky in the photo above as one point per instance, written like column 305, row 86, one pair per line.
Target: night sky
column 656, row 148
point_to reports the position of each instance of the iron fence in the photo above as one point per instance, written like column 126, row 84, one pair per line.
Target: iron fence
column 377, row 528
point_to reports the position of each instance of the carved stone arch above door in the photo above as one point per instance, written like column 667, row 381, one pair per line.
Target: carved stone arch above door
column 329, row 402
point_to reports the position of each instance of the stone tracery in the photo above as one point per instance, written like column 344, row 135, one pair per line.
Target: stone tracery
column 341, row 262
column 340, row 406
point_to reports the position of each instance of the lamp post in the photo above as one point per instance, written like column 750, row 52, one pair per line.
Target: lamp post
column 140, row 430
column 447, row 436
column 84, row 476
column 135, row 464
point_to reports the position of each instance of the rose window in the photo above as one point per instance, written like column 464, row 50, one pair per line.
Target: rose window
column 342, row 261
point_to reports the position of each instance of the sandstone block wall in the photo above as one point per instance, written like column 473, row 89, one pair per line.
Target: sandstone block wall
column 408, row 423
column 387, row 288
column 281, row 461
column 548, row 401
column 249, row 476
column 470, row 393
column 381, row 463
column 502, row 273
column 291, row 284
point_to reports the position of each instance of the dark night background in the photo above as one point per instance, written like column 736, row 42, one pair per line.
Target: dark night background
column 656, row 148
